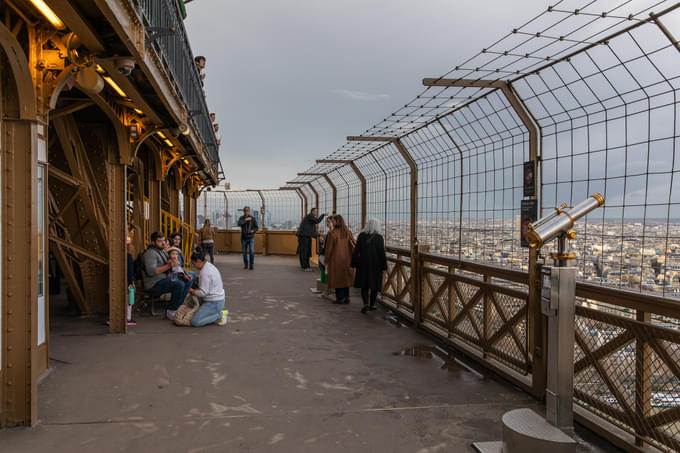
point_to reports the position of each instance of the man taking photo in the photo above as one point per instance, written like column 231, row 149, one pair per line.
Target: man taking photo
column 306, row 232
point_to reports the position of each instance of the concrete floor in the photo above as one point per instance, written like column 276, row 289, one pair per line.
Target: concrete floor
column 290, row 372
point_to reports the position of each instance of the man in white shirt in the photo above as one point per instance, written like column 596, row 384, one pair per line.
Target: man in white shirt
column 218, row 136
column 210, row 291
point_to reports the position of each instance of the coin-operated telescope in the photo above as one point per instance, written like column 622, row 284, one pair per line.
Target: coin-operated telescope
column 559, row 224
column 524, row 430
column 558, row 300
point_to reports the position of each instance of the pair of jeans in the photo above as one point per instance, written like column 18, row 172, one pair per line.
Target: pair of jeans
column 364, row 296
column 305, row 246
column 179, row 289
column 208, row 313
column 245, row 243
column 341, row 293
column 208, row 249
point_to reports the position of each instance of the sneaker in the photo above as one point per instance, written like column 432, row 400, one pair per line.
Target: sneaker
column 307, row 269
column 245, row 267
column 132, row 322
column 170, row 314
column 372, row 308
column 251, row 268
column 364, row 309
column 224, row 319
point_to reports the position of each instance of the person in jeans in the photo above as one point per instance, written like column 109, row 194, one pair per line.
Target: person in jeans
column 210, row 291
column 307, row 231
column 370, row 262
column 248, row 229
column 156, row 265
column 208, row 240
column 338, row 257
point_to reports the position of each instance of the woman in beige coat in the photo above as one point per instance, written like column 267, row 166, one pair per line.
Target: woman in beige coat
column 338, row 257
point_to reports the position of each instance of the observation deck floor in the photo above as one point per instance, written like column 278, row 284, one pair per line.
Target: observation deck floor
column 290, row 372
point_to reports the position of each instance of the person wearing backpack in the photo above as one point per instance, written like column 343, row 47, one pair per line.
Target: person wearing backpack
column 156, row 264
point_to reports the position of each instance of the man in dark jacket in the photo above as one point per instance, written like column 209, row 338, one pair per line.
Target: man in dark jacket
column 305, row 233
column 248, row 229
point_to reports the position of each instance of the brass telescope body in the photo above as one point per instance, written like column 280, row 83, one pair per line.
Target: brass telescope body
column 561, row 221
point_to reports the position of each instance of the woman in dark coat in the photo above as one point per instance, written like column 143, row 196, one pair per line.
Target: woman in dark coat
column 370, row 262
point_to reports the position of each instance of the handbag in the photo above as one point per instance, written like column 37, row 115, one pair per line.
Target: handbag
column 186, row 311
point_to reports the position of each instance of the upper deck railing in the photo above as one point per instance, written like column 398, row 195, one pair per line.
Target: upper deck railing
column 168, row 37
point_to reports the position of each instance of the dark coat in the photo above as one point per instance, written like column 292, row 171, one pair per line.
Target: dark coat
column 370, row 261
column 248, row 227
column 308, row 225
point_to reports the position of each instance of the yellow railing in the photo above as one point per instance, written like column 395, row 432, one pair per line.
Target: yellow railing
column 171, row 224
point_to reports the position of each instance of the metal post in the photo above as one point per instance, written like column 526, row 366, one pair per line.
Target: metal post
column 117, row 253
column 316, row 195
column 361, row 179
column 416, row 298
column 264, row 225
column 20, row 280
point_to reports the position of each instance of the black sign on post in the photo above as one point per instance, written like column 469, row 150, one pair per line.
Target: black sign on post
column 529, row 179
column 529, row 215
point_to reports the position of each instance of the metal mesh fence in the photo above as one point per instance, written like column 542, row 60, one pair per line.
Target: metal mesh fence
column 589, row 93
column 212, row 206
column 282, row 209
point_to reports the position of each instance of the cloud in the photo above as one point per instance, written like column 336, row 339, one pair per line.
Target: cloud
column 361, row 96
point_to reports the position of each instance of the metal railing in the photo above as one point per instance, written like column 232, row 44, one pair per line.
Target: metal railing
column 167, row 36
column 627, row 350
column 172, row 224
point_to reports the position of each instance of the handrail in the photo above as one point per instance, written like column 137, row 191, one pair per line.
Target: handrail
column 168, row 37
column 171, row 224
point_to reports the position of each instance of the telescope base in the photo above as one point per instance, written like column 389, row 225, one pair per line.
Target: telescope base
column 526, row 431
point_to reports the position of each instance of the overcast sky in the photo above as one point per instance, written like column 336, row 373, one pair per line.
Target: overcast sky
column 290, row 80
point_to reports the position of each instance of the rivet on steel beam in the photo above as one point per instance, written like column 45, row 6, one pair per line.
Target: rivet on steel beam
column 9, row 348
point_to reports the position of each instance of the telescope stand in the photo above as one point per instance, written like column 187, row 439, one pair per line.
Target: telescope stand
column 523, row 429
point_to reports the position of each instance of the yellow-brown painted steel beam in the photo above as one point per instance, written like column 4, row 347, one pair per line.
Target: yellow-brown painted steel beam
column 69, row 14
column 463, row 83
column 20, row 279
column 130, row 89
column 117, row 262
column 416, row 296
column 361, row 178
column 316, row 194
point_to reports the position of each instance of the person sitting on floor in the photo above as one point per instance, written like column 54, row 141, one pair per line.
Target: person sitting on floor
column 156, row 264
column 210, row 291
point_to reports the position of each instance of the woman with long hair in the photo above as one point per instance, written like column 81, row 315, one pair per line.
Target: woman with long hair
column 337, row 259
column 370, row 262
column 208, row 240
column 330, row 223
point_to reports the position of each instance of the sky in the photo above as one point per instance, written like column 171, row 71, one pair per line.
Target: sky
column 288, row 81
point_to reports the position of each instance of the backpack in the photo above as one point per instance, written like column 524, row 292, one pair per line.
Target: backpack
column 140, row 270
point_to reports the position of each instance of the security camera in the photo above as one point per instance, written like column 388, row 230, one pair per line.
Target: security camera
column 125, row 66
column 561, row 221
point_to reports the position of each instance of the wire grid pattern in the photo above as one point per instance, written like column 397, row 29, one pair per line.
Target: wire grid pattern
column 325, row 199
column 236, row 201
column 309, row 197
column 627, row 372
column 609, row 122
column 600, row 80
column 352, row 213
column 562, row 29
column 342, row 189
column 282, row 209
column 376, row 183
column 397, row 195
column 212, row 206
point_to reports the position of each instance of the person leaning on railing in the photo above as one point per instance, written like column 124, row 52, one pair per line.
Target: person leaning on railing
column 207, row 234
column 307, row 231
